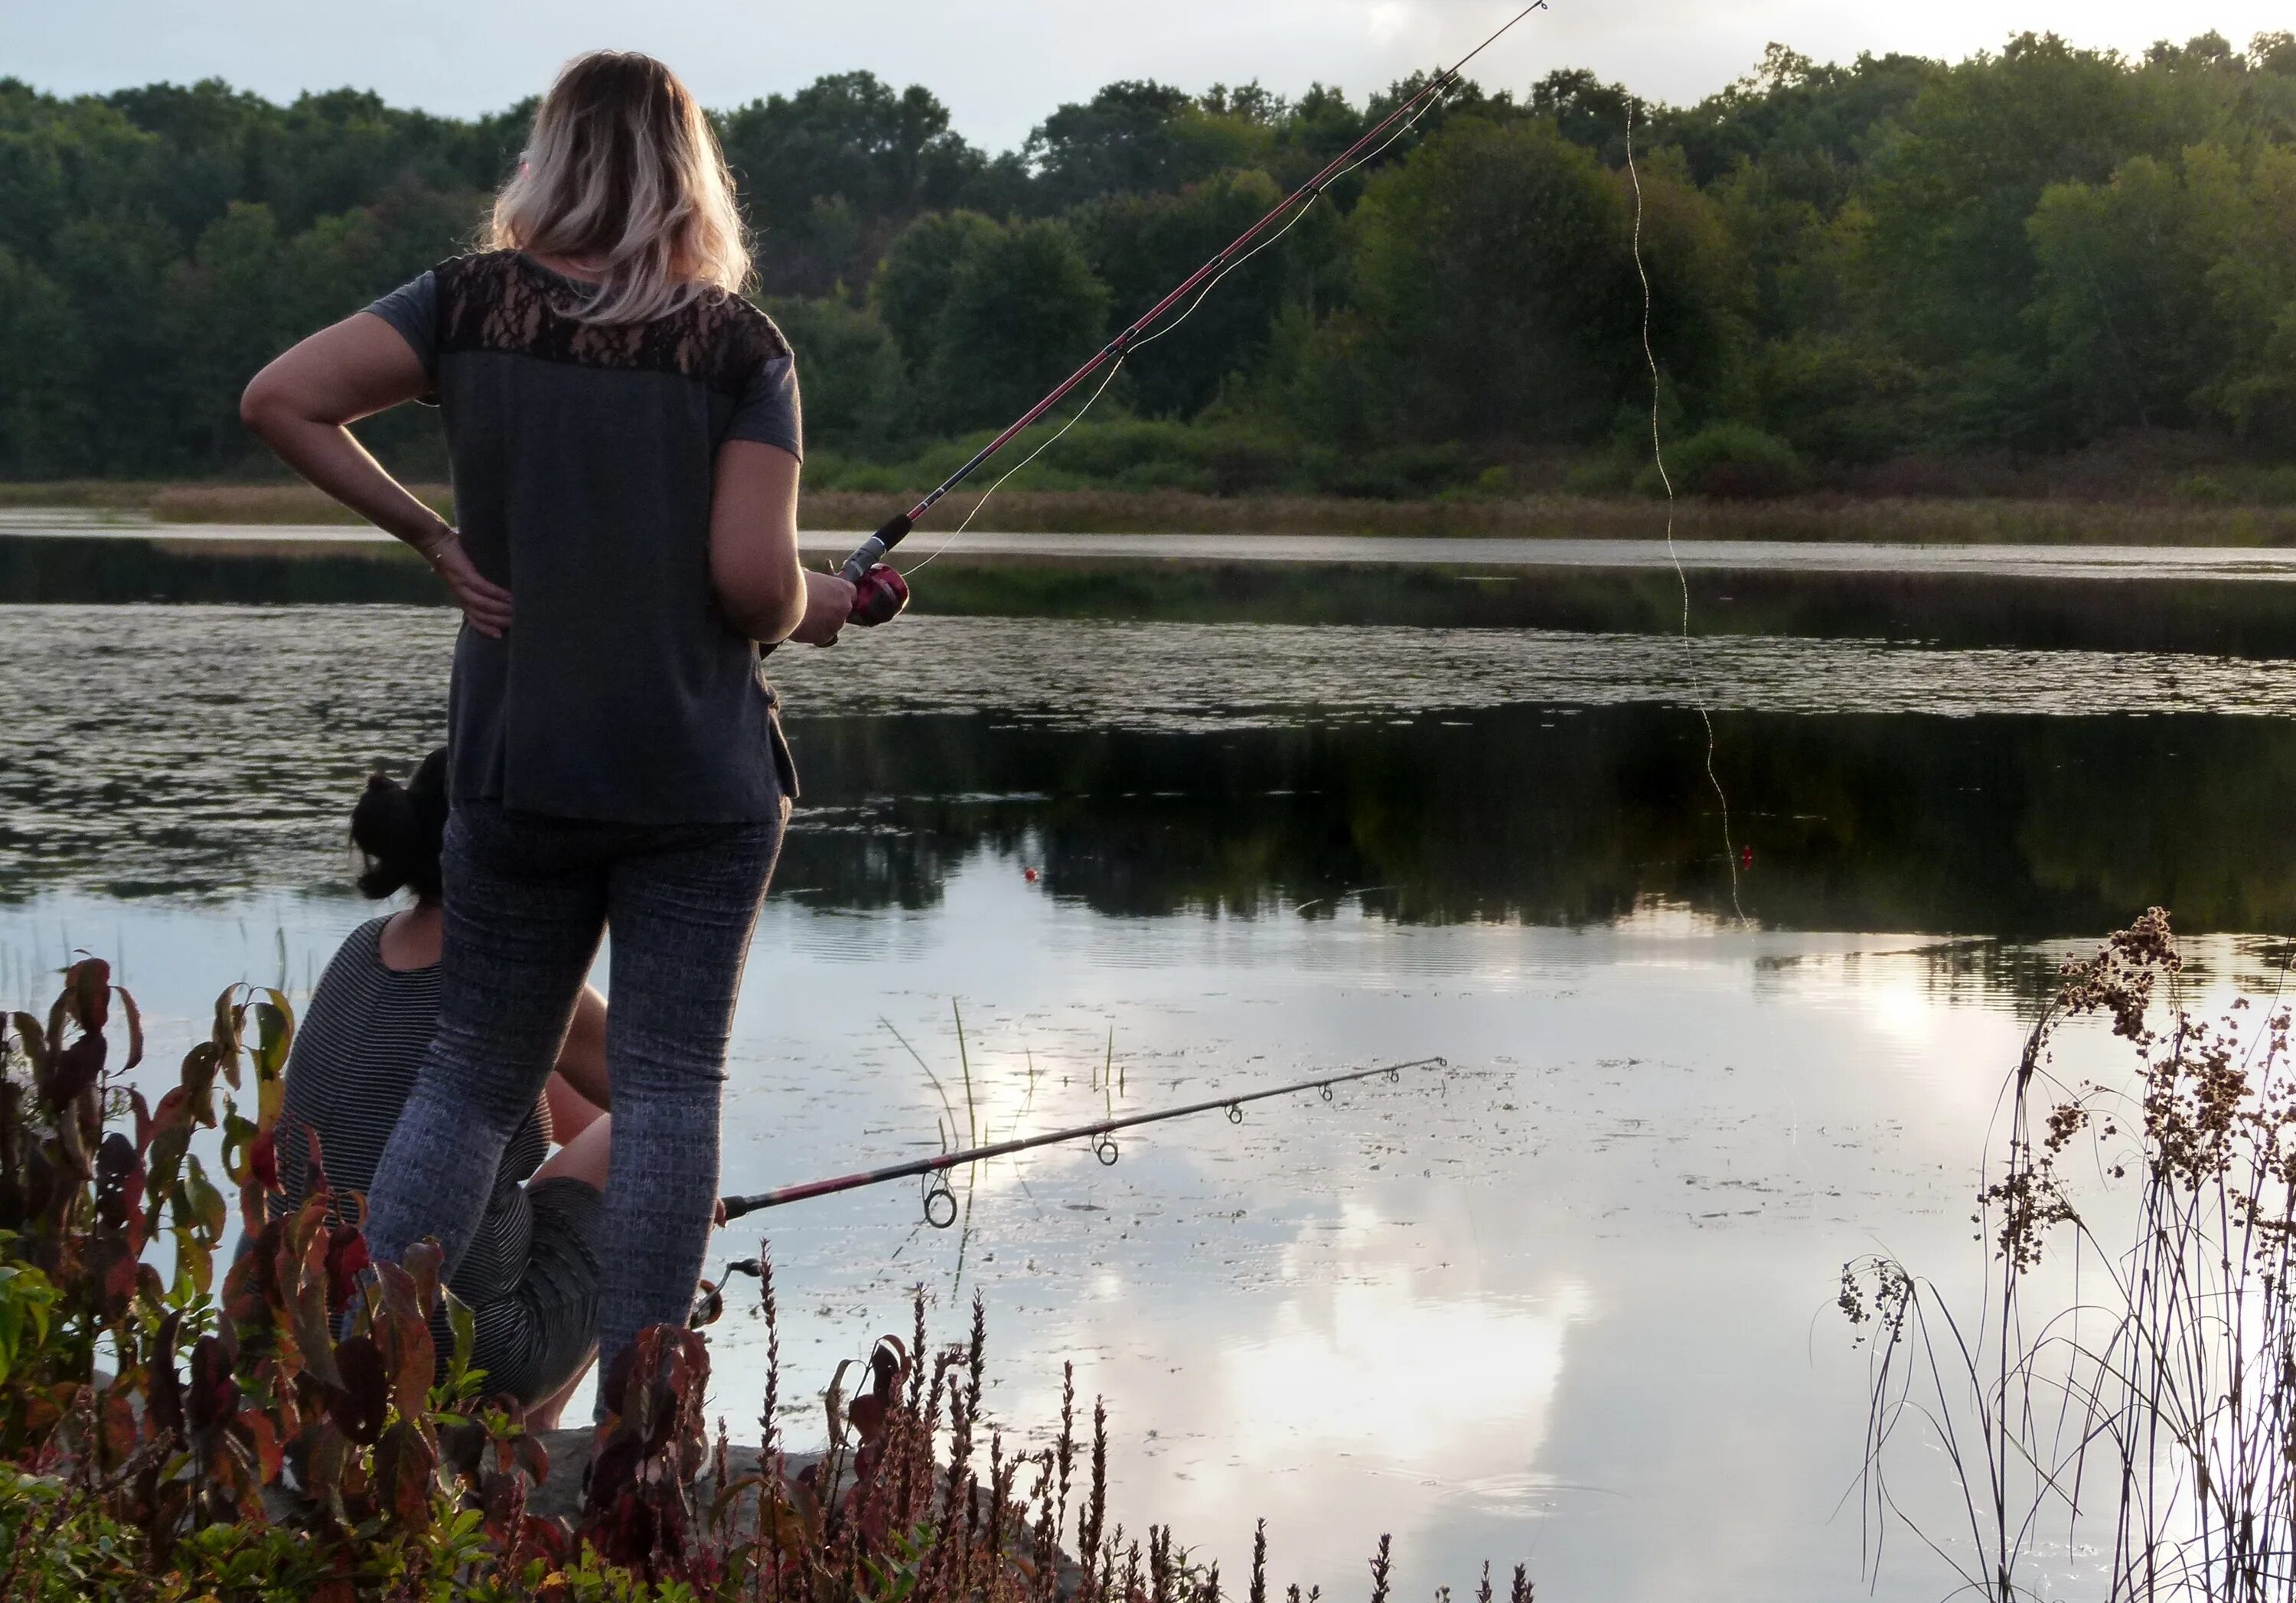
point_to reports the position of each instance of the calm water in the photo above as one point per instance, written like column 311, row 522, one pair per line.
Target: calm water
column 1568, row 1300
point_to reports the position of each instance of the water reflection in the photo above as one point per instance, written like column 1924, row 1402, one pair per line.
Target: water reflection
column 2129, row 598
column 1431, row 777
column 1569, row 1294
column 2018, row 826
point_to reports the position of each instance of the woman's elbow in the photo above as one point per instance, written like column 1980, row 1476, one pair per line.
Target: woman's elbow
column 263, row 406
column 778, row 619
column 767, row 606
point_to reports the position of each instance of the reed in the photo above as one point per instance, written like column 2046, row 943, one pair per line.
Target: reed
column 1923, row 520
column 2016, row 519
column 2151, row 1420
column 287, row 504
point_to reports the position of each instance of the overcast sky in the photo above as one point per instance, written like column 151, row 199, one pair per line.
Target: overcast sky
column 1000, row 67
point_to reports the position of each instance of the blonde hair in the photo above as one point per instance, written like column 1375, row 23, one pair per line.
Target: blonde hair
column 624, row 172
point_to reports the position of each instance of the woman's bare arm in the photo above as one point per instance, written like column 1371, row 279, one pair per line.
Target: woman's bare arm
column 299, row 404
column 753, row 563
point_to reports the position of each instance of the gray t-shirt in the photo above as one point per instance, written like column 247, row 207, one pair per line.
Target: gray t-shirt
column 583, row 456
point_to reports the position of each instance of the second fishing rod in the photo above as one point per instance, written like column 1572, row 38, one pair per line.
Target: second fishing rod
column 941, row 1202
column 881, row 593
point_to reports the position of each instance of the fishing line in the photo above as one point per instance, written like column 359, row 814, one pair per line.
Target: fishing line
column 949, row 539
column 1314, row 195
column 1666, row 481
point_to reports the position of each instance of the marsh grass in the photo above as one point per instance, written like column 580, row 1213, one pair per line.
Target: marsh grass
column 2147, row 1424
column 1814, row 518
column 270, row 504
column 2224, row 518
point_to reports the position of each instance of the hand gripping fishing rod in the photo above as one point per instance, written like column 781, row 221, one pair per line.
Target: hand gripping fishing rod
column 882, row 593
column 941, row 1202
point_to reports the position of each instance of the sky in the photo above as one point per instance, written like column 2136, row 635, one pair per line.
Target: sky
column 1001, row 66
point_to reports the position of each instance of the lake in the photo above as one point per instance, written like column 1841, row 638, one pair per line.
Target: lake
column 1567, row 1300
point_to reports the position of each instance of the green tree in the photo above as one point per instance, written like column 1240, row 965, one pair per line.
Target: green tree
column 850, row 371
column 2122, row 296
column 1023, row 311
column 1814, row 127
column 914, row 280
column 829, row 174
column 1585, row 111
column 1497, row 288
column 1981, row 143
column 1141, row 246
column 47, row 425
column 225, row 313
column 62, row 160
column 115, row 265
column 2246, row 218
column 1142, row 138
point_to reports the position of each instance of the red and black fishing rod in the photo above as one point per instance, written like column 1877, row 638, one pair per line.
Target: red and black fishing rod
column 882, row 592
column 940, row 1203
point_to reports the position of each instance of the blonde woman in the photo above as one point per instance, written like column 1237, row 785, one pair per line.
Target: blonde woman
column 625, row 436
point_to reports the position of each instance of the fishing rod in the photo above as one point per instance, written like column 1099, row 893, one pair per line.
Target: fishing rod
column 881, row 591
column 941, row 1202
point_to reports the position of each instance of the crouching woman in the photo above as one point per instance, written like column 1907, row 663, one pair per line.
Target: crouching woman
column 530, row 1273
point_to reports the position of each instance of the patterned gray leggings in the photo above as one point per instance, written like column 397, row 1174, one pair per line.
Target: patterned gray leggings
column 527, row 899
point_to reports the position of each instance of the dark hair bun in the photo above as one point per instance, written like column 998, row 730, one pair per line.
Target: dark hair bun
column 401, row 830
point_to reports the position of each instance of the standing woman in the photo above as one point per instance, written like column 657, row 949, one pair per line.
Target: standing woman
column 625, row 439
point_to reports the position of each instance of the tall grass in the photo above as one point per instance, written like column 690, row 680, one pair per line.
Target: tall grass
column 1903, row 518
column 2146, row 1427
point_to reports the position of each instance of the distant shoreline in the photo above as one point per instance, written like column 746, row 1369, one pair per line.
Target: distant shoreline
column 1817, row 518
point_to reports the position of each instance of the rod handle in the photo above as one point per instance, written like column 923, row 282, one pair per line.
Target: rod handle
column 737, row 1207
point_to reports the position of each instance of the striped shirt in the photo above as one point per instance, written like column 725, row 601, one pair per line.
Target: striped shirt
column 353, row 1065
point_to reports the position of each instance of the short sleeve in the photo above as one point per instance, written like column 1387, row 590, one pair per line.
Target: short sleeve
column 413, row 309
column 768, row 411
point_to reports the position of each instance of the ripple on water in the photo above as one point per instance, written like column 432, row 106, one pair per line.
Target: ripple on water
column 206, row 738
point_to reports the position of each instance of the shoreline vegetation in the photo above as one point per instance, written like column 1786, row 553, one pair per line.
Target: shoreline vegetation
column 2042, row 272
column 294, row 1459
column 2148, row 1413
column 2027, row 518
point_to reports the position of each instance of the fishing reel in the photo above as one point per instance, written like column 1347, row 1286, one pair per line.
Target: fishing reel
column 880, row 595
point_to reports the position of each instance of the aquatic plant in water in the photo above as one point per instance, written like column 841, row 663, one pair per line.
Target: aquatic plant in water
column 2150, row 1419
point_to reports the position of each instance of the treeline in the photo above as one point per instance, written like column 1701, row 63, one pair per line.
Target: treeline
column 2028, row 251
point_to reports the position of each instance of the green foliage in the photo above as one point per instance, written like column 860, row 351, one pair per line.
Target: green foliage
column 831, row 173
column 912, row 284
column 1142, row 245
column 1730, row 462
column 2032, row 250
column 987, row 316
column 1496, row 297
column 853, row 384
column 46, row 415
column 1220, row 455
column 27, row 1301
column 1145, row 138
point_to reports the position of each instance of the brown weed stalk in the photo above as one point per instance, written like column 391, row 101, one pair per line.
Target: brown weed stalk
column 2155, row 1415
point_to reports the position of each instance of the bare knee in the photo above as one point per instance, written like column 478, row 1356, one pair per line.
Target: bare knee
column 585, row 1157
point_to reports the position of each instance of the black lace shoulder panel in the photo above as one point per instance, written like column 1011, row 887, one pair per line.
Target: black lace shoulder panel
column 500, row 301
